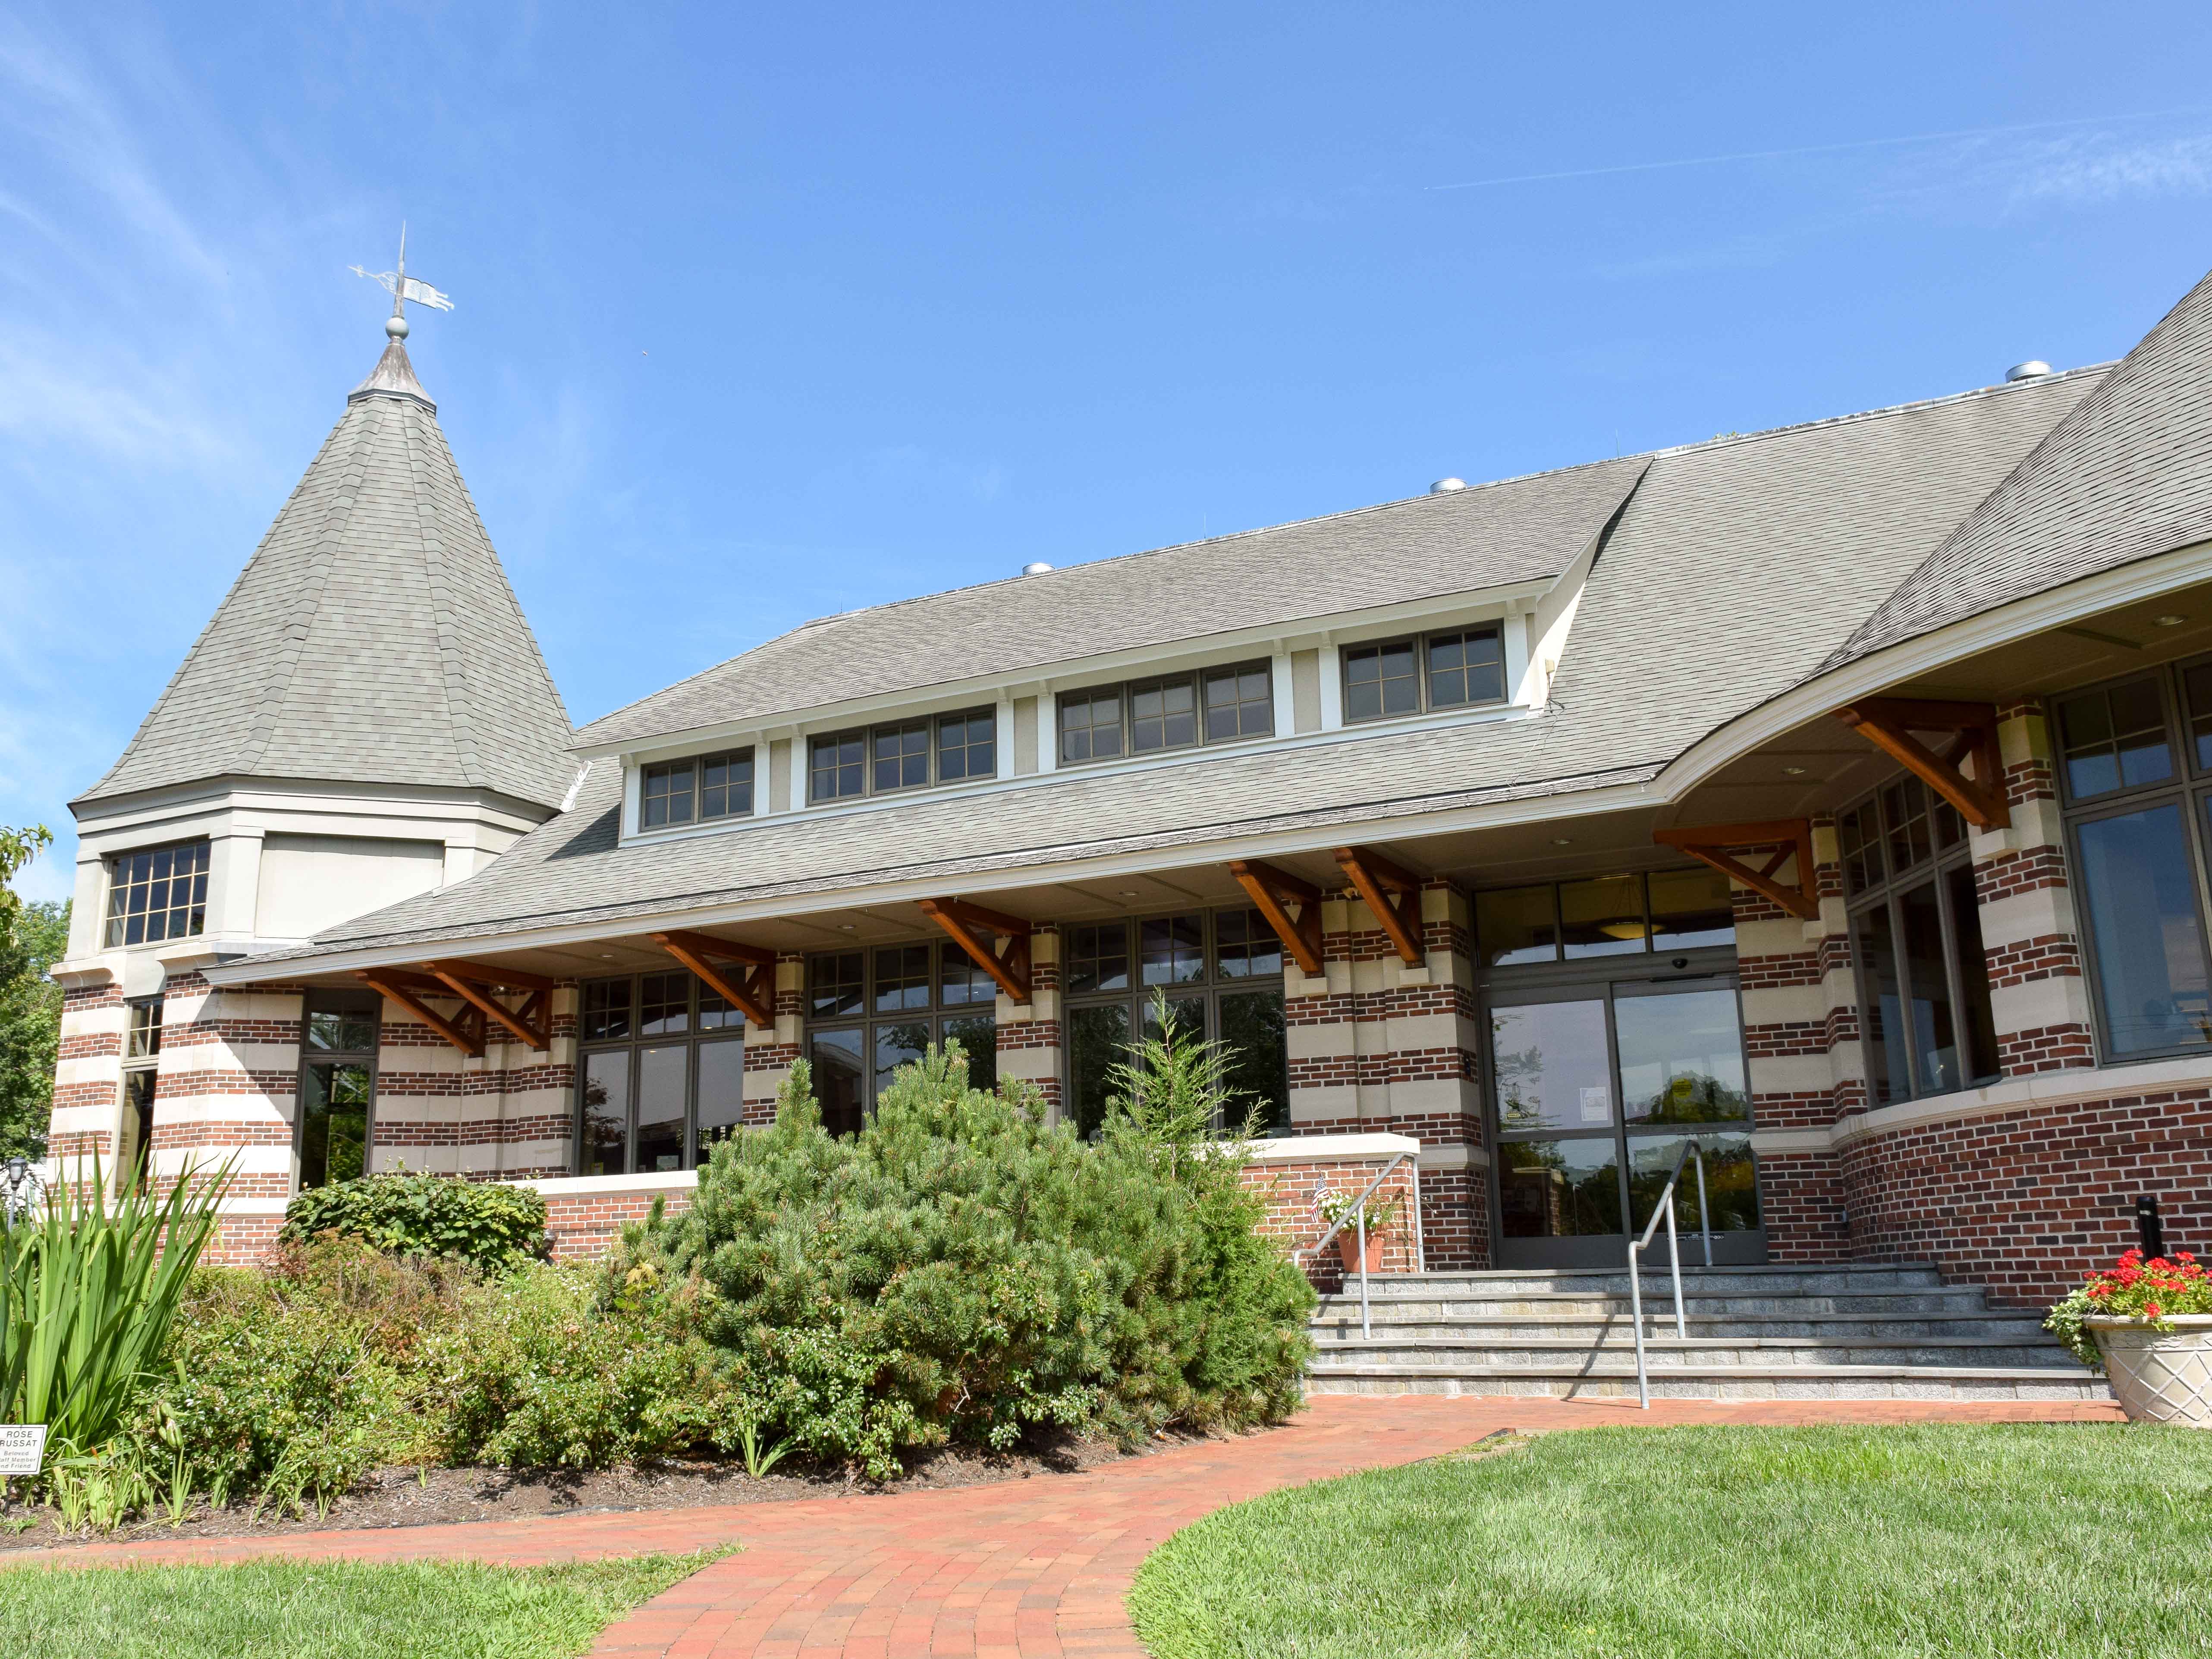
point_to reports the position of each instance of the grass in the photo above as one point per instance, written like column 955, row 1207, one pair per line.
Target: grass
column 326, row 1609
column 2080, row 1540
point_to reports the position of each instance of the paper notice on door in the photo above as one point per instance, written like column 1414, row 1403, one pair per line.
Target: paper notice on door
column 1597, row 1104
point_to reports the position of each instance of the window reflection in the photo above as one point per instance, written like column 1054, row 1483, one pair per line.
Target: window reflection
column 1681, row 1058
column 1558, row 1188
column 2142, row 901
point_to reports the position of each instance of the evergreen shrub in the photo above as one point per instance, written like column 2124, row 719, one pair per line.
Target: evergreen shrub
column 961, row 1269
column 487, row 1223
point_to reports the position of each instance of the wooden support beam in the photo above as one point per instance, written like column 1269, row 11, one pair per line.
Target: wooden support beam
column 1890, row 723
column 479, row 997
column 962, row 922
column 755, row 998
column 1393, row 894
column 1708, row 844
column 483, row 973
column 401, row 987
column 1272, row 890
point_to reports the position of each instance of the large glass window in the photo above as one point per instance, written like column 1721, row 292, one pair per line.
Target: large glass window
column 1175, row 711
column 697, row 790
column 1604, row 916
column 1596, row 1089
column 1221, row 972
column 1442, row 670
column 331, row 1140
column 142, row 1051
column 663, row 1074
column 870, row 1013
column 2135, row 768
column 1925, row 1014
column 158, row 893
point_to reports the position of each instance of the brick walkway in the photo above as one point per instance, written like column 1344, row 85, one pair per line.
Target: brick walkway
column 1016, row 1570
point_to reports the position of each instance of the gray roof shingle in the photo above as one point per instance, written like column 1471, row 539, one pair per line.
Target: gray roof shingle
column 373, row 637
column 1804, row 529
column 1432, row 545
column 2127, row 475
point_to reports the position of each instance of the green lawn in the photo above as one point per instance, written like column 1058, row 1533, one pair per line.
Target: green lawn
column 326, row 1609
column 2076, row 1540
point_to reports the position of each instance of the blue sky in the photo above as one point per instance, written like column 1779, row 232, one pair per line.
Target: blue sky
column 764, row 313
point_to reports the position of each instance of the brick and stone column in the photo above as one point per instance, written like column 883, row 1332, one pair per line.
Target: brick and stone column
column 1802, row 1053
column 1377, row 1044
column 772, row 1050
column 1030, row 1033
column 506, row 1114
column 2031, row 933
column 87, row 1113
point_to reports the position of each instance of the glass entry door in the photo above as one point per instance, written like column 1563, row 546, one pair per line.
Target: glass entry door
column 1594, row 1089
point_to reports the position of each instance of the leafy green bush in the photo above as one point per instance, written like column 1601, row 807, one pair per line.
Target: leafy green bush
column 489, row 1223
column 538, row 1371
column 961, row 1269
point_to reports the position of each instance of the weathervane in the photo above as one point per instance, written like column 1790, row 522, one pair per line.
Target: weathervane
column 403, row 288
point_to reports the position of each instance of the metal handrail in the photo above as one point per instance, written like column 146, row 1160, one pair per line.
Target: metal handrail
column 1666, row 1207
column 1358, row 1214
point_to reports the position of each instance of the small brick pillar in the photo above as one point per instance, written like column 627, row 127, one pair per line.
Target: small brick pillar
column 1029, row 1032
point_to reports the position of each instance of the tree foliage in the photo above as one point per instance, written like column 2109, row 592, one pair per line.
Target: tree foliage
column 33, row 938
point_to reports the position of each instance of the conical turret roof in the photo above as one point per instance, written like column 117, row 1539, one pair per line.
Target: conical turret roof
column 371, row 638
column 2126, row 474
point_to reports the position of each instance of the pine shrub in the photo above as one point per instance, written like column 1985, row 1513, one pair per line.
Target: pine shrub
column 961, row 1269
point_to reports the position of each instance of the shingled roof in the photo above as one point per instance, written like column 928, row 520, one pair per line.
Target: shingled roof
column 1519, row 530
column 2127, row 475
column 371, row 638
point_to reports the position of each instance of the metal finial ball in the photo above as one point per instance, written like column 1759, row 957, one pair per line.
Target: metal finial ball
column 396, row 327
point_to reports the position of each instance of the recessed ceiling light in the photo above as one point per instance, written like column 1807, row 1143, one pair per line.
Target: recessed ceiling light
column 1563, row 841
column 1793, row 771
column 606, row 956
column 2169, row 620
column 1128, row 892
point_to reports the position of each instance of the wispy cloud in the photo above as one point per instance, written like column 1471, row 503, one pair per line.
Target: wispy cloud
column 2101, row 168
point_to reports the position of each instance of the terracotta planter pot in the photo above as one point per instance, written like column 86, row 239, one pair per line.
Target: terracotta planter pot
column 1347, row 1247
column 2160, row 1376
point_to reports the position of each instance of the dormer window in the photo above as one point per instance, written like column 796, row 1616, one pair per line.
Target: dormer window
column 887, row 759
column 1444, row 671
column 1174, row 711
column 694, row 791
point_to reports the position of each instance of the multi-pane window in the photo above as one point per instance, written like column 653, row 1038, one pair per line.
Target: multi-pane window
column 1221, row 973
column 869, row 1012
column 903, row 754
column 1916, row 938
column 663, row 1070
column 141, row 1050
column 337, row 1085
column 1443, row 670
column 899, row 756
column 967, row 746
column 2135, row 764
column 158, row 893
column 1604, row 916
column 1172, row 711
column 698, row 790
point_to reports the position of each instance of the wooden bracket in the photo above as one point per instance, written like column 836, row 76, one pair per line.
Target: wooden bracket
column 1889, row 724
column 1708, row 842
column 1393, row 894
column 753, row 994
column 472, row 982
column 467, row 1033
column 1271, row 891
column 963, row 921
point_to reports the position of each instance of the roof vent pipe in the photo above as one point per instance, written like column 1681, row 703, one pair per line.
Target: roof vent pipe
column 2034, row 369
column 1036, row 569
column 1447, row 486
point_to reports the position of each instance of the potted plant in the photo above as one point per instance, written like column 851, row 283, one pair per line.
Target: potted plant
column 2147, row 1325
column 1331, row 1206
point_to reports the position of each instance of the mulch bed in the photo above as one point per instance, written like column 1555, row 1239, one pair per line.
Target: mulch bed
column 410, row 1497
